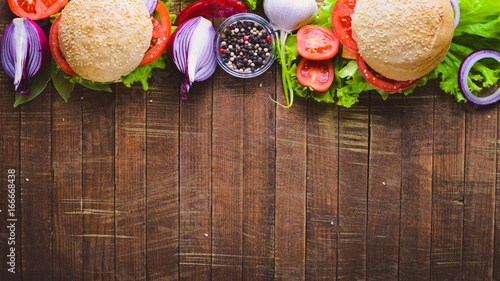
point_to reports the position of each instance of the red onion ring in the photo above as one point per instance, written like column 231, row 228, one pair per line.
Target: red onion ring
column 463, row 74
column 456, row 7
column 151, row 5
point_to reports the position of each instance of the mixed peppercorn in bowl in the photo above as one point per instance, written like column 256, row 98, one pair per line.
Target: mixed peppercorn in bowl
column 245, row 45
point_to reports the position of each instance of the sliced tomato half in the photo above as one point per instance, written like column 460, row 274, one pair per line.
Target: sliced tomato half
column 36, row 9
column 56, row 50
column 161, row 34
column 316, row 42
column 341, row 23
column 380, row 81
column 317, row 74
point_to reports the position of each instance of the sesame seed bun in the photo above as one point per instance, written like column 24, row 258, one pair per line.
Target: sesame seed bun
column 102, row 40
column 403, row 39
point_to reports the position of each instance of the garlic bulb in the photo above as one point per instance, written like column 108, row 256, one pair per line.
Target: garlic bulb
column 289, row 15
column 286, row 16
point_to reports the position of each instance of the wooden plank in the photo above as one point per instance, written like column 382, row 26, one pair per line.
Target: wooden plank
column 98, row 196
column 195, row 229
column 496, row 264
column 162, row 172
column 67, row 186
column 384, row 178
column 130, row 181
column 10, row 181
column 322, row 191
column 290, row 203
column 479, row 204
column 259, row 178
column 195, row 183
column 163, row 176
column 448, row 188
column 416, row 186
column 227, row 180
column 36, row 188
column 353, row 187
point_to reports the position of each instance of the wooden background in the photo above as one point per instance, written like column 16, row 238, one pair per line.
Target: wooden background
column 135, row 185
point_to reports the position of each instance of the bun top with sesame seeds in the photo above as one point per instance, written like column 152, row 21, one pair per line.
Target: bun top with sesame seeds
column 403, row 39
column 102, row 40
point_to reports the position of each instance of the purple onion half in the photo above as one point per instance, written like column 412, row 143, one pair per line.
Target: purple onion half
column 463, row 75
column 191, row 49
column 24, row 52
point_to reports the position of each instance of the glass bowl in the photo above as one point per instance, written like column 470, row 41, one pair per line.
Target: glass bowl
column 235, row 56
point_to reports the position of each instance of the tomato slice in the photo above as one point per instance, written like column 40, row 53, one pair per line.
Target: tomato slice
column 317, row 74
column 380, row 81
column 36, row 9
column 316, row 42
column 161, row 34
column 341, row 22
column 56, row 50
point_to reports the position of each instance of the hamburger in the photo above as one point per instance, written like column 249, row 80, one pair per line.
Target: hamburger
column 397, row 41
column 105, row 40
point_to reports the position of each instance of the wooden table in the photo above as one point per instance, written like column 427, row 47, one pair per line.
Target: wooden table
column 135, row 185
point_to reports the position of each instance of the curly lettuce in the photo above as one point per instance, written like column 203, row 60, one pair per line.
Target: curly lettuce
column 479, row 28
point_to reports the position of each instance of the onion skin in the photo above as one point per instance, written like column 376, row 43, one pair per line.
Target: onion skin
column 35, row 56
column 463, row 74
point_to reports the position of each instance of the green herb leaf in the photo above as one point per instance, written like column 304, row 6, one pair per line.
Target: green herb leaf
column 63, row 86
column 37, row 87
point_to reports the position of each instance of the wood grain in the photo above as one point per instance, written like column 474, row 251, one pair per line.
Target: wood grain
column 67, row 186
column 416, row 184
column 162, row 173
column 36, row 188
column 290, row 203
column 227, row 181
column 322, row 191
column 9, row 159
column 195, row 183
column 130, row 183
column 448, row 188
column 479, row 203
column 98, row 195
column 354, row 137
column 496, row 261
column 384, row 188
column 259, row 173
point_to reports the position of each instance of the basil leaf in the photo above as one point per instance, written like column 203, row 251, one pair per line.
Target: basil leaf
column 63, row 86
column 37, row 87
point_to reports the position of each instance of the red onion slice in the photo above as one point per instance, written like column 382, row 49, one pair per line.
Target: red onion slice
column 456, row 7
column 151, row 5
column 463, row 75
column 24, row 52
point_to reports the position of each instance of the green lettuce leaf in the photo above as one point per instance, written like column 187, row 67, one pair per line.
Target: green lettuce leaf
column 252, row 4
column 144, row 72
column 479, row 28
